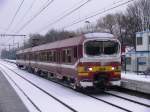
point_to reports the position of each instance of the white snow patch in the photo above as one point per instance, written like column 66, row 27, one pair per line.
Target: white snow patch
column 124, row 103
column 135, row 76
column 134, row 98
column 24, row 99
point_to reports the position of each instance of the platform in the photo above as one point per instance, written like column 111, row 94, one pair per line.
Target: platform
column 136, row 82
column 9, row 100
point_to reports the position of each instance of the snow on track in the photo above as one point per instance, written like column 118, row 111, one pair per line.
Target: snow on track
column 78, row 101
column 25, row 100
column 123, row 103
column 134, row 98
column 40, row 99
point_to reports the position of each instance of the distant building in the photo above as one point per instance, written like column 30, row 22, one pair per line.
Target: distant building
column 139, row 60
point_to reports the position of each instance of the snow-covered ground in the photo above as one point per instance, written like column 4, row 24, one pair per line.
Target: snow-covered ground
column 77, row 101
column 12, row 61
column 135, row 76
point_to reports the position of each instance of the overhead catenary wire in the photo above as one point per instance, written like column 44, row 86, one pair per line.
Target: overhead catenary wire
column 13, row 19
column 35, row 16
column 73, row 6
column 101, row 12
column 46, row 4
column 114, row 3
column 27, row 12
column 65, row 15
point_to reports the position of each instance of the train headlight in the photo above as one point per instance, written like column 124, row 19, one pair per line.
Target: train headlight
column 84, row 69
column 90, row 69
column 113, row 68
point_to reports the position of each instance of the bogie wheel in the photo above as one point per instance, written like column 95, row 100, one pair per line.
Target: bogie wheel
column 76, row 87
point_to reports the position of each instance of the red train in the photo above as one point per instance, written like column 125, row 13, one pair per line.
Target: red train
column 90, row 60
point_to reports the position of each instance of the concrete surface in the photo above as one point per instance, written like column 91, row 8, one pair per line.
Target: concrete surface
column 136, row 85
column 9, row 100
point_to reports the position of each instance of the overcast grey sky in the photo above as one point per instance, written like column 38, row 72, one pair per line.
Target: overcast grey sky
column 54, row 11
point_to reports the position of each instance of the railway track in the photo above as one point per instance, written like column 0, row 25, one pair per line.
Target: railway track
column 128, row 99
column 23, row 92
column 92, row 96
column 107, row 102
column 61, row 102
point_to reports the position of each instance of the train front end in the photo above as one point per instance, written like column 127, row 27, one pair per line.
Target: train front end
column 100, row 65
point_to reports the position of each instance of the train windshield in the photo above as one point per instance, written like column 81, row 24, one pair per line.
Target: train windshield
column 96, row 48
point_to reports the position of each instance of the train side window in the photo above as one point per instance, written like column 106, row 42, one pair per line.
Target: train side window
column 68, row 56
column 30, row 56
column 63, row 56
column 75, row 52
column 18, row 56
column 50, row 56
column 54, row 56
column 45, row 56
column 58, row 56
column 35, row 56
column 25, row 56
column 40, row 56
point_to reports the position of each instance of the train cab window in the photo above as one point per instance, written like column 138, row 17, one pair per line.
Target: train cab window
column 96, row 48
column 110, row 47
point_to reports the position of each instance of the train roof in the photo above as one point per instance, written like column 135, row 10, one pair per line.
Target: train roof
column 66, row 42
column 100, row 35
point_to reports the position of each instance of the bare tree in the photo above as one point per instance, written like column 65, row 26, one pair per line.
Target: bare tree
column 107, row 23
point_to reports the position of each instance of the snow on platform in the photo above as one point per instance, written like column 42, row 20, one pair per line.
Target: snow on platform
column 9, row 100
column 137, row 82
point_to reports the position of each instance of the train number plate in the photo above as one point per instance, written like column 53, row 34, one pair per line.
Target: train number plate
column 102, row 68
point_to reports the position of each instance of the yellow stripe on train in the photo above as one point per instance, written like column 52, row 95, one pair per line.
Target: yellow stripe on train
column 98, row 68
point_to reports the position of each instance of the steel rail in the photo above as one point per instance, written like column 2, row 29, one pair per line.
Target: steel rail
column 143, row 104
column 22, row 91
column 42, row 90
column 65, row 85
